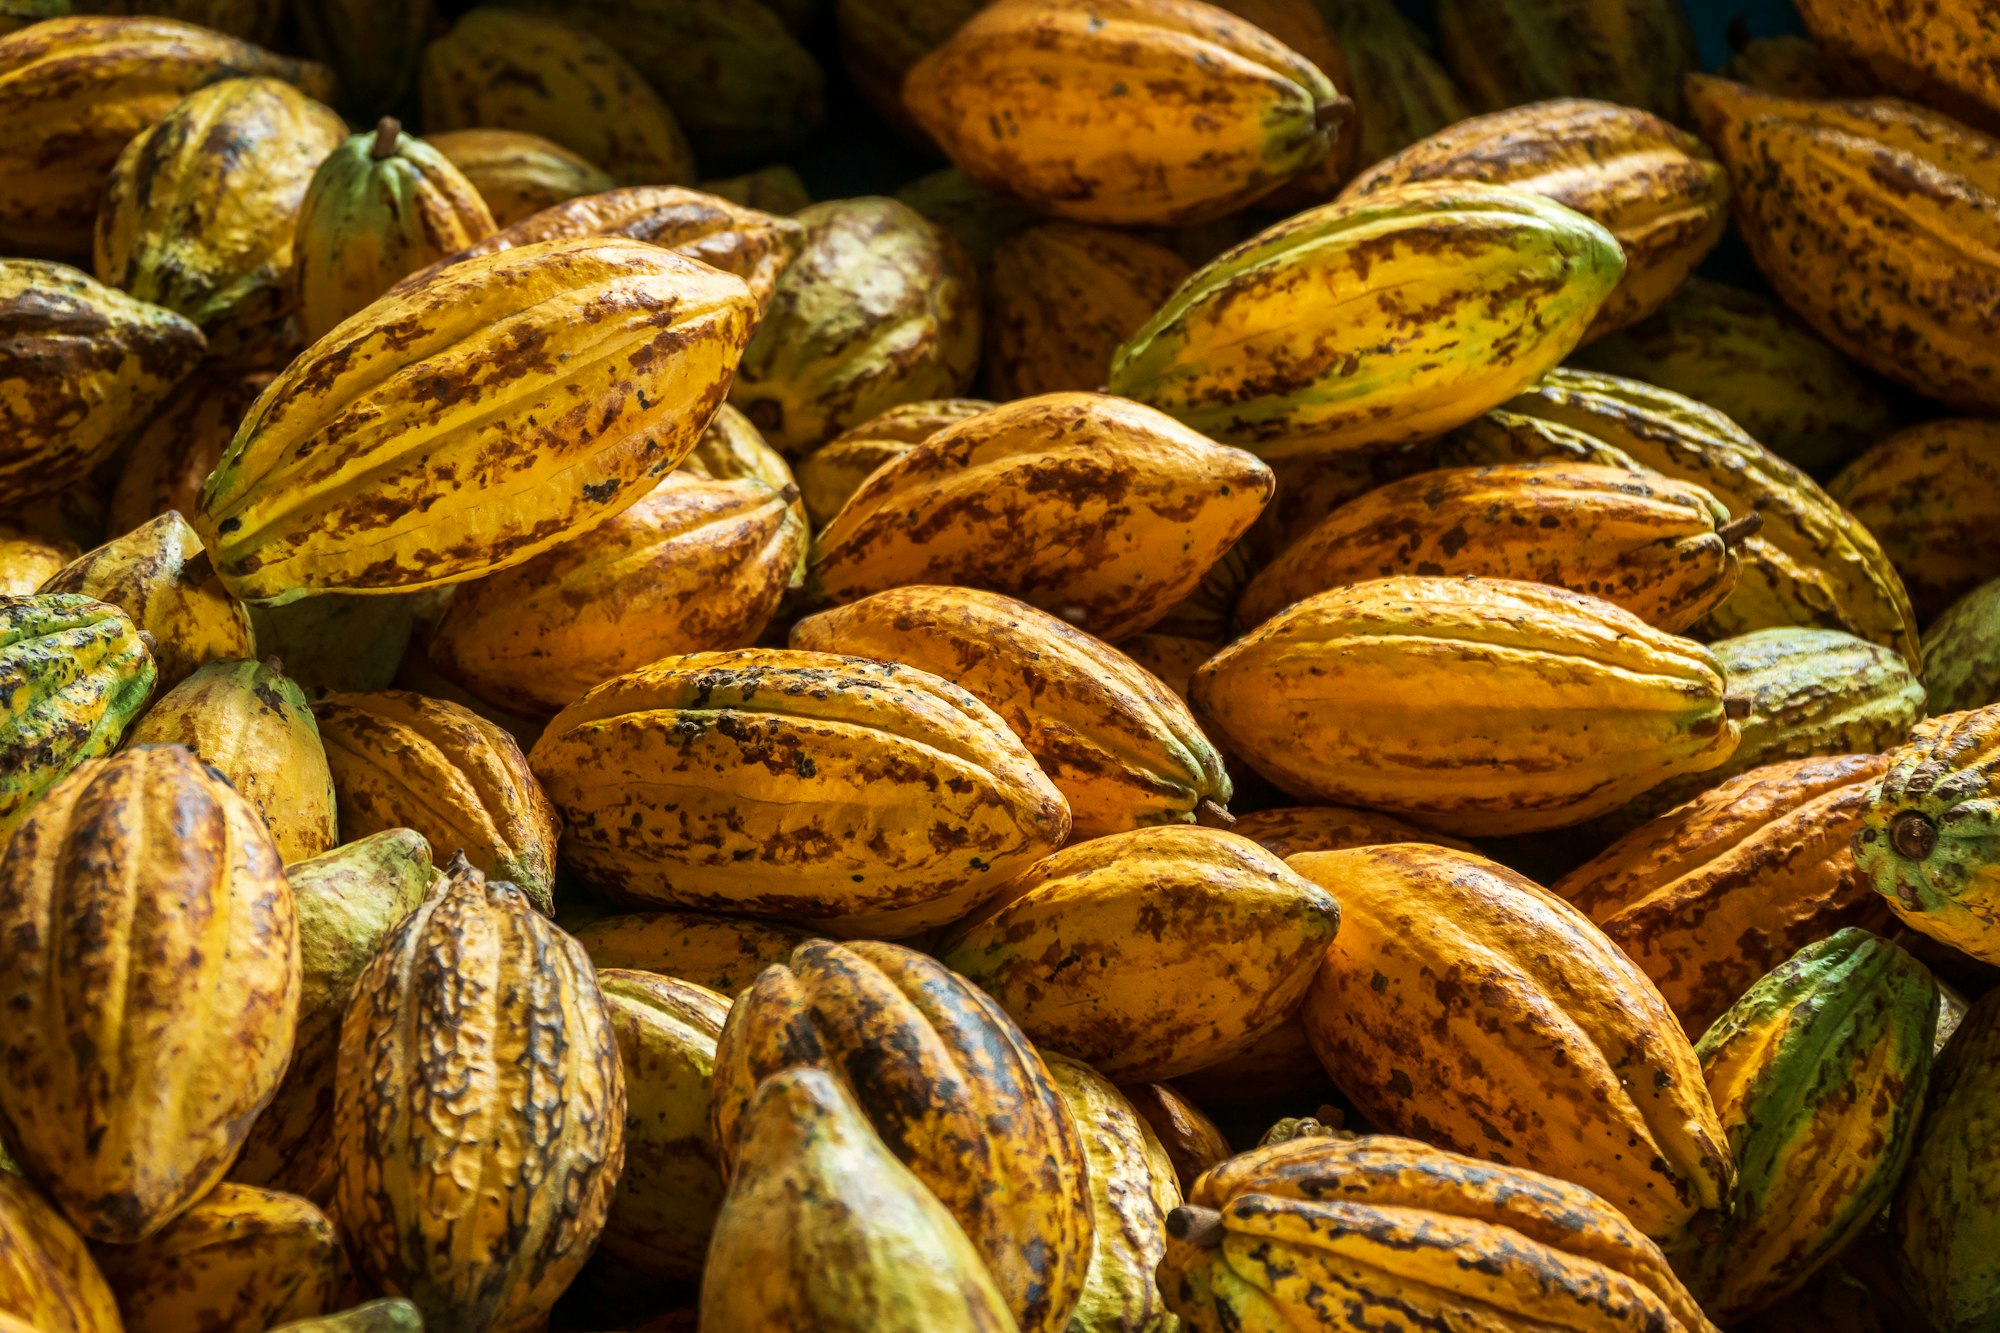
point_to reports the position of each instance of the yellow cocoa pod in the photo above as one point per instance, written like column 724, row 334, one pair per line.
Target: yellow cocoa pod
column 1550, row 706
column 1931, row 496
column 124, row 1149
column 82, row 366
column 1300, row 25
column 75, row 91
column 1933, row 54
column 476, row 1002
column 48, row 1281
column 1401, row 93
column 1288, row 830
column 503, row 69
column 710, row 728
column 830, row 474
column 1311, row 488
column 402, row 760
column 1138, row 917
column 1660, row 548
column 1655, row 188
column 381, row 206
column 251, row 723
column 1232, row 113
column 722, row 953
column 1787, row 64
column 1120, row 747
column 1543, row 1046
column 952, row 1087
column 173, row 453
column 1302, row 340
column 1189, row 1138
column 519, row 174
column 156, row 576
column 1506, row 52
column 733, row 449
column 239, row 1261
column 708, row 561
column 1097, row 509
column 671, row 1187
column 588, row 421
column 1895, row 277
column 200, row 210
column 28, row 561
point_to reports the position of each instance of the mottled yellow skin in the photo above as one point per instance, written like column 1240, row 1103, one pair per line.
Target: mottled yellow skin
column 519, row 174
column 1401, row 93
column 1506, row 52
column 1941, row 53
column 720, row 953
column 48, row 1281
column 1931, row 495
column 830, row 474
column 172, row 454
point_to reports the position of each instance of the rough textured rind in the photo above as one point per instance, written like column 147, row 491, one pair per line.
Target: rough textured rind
column 830, row 474
column 1386, row 1233
column 48, row 1280
column 1711, row 895
column 696, row 566
column 722, row 953
column 1372, row 322
column 1307, row 28
column 1099, row 510
column 73, row 675
column 1477, row 706
column 1506, row 52
column 82, row 366
column 404, row 760
column 172, row 454
column 251, row 723
column 519, row 174
column 1137, row 921
column 865, row 797
column 508, row 70
column 1943, row 1218
column 1401, row 93
column 1191, row 1141
column 1542, row 1045
column 240, row 1260
column 479, row 1111
column 485, row 415
column 1899, row 274
column 75, row 91
column 1942, row 55
column 1061, row 297
column 1931, row 496
column 151, row 959
column 1818, row 1074
column 950, row 1084
column 1657, row 189
column 1962, row 653
column 1122, row 749
column 348, row 900
column 824, row 1231
column 879, row 308
column 1288, row 830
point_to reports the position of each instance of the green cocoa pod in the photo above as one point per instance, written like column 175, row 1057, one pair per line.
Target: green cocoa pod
column 1962, row 652
column 1945, row 1220
column 1508, row 52
column 394, row 1315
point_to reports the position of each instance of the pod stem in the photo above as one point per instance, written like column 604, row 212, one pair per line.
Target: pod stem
column 1736, row 707
column 1196, row 1225
column 1210, row 815
column 1912, row 834
column 275, row 665
column 387, row 131
column 1333, row 113
column 197, row 569
column 1736, row 529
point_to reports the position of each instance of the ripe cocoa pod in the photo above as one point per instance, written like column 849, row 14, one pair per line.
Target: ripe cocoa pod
column 1311, row 488
column 830, row 474
column 1931, row 495
column 1171, row 657
column 1962, row 653
column 722, row 953
column 1787, row 64
column 1401, row 93
column 1190, row 1139
column 1931, row 54
column 1506, row 52
column 48, row 1281
column 732, row 449
column 1288, row 830
column 218, row 977
column 173, row 453
column 1307, row 30
column 28, row 561
column 1944, row 1231
column 519, row 174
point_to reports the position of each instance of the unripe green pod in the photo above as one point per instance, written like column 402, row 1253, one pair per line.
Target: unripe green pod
column 1944, row 1218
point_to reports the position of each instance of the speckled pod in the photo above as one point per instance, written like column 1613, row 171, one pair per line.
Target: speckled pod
column 884, row 800
column 1191, row 1141
column 1936, row 54
column 951, row 1085
column 1962, row 652
column 832, row 473
column 1948, row 1240
column 1462, row 1001
column 1372, row 322
column 173, row 453
column 519, row 174
column 48, row 1281
column 1307, row 29
column 479, row 1111
column 1288, row 830
column 1099, row 510
column 1787, row 64
column 733, row 449
column 1506, row 52
column 1401, row 93
column 647, row 339
column 1139, row 917
column 1931, row 496
column 149, row 869
column 722, row 953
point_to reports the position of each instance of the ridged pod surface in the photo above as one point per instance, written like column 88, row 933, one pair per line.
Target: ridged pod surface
column 251, row 723
column 1191, row 1141
column 73, row 675
column 1899, row 275
column 832, row 473
column 152, row 958
column 1401, row 93
column 1462, row 703
column 504, row 69
column 519, row 174
column 824, row 1231
column 371, row 48
column 671, row 1187
column 732, row 449
column 1962, row 653
column 200, row 210
column 1122, row 749
column 479, row 1111
column 722, row 953
column 1100, row 510
column 866, row 797
column 1332, row 1233
column 1138, row 919
column 75, row 91
column 1288, row 830
column 241, row 1260
column 695, row 566
column 1810, row 563
column 879, row 308
column 1027, row 98
column 1941, row 55
column 1647, row 543
column 1945, row 1226
column 404, row 760
column 1132, row 1189
column 172, row 454
column 1657, row 189
column 1307, row 29
column 1931, row 496
column 82, row 366
column 481, row 417
column 1758, row 364
column 1930, row 837
column 348, row 901
column 1818, row 1073
column 1544, row 1046
column 1710, row 896
column 28, row 560
column 1505, row 52
column 1372, row 322
column 48, row 1280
